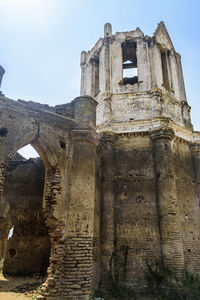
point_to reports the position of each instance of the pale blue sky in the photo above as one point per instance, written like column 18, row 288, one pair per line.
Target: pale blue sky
column 41, row 41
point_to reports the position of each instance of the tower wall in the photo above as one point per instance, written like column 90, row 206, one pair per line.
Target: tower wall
column 135, row 209
column 140, row 225
column 150, row 170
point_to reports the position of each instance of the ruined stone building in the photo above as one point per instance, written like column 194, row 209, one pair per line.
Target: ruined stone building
column 118, row 183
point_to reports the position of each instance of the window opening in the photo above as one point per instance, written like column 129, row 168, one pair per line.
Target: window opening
column 164, row 57
column 129, row 56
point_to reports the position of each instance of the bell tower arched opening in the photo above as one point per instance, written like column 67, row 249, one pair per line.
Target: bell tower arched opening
column 129, row 58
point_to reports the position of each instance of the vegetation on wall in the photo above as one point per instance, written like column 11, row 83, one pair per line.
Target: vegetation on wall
column 161, row 285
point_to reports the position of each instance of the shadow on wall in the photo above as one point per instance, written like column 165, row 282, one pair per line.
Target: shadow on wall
column 28, row 245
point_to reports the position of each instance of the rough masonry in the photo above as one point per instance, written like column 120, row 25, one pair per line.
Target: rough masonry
column 120, row 182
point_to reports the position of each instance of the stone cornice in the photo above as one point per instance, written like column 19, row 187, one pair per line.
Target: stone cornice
column 143, row 127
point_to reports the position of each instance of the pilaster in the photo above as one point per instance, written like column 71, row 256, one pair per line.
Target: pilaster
column 144, row 74
column 107, row 41
column 157, row 66
column 181, row 79
column 169, row 221
column 83, row 73
column 195, row 152
column 107, row 207
column 84, row 111
column 79, row 266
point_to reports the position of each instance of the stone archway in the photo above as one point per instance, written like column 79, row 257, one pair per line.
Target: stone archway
column 49, row 134
column 67, row 147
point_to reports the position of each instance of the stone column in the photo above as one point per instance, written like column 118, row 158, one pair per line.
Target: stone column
column 83, row 73
column 107, row 108
column 156, row 65
column 107, row 41
column 174, row 74
column 144, row 74
column 195, row 152
column 107, row 208
column 95, row 77
column 169, row 221
column 92, row 77
column 79, row 267
column 79, row 244
column 84, row 112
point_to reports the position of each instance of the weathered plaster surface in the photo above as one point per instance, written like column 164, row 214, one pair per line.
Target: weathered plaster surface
column 122, row 167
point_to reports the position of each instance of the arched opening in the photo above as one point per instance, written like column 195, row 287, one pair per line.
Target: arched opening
column 27, row 248
column 129, row 58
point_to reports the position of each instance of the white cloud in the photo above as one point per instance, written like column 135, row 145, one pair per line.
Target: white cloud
column 27, row 13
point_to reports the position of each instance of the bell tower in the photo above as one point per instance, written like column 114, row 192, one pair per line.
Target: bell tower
column 150, row 162
column 135, row 78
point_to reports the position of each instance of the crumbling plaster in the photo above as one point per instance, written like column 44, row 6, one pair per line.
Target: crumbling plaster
column 122, row 168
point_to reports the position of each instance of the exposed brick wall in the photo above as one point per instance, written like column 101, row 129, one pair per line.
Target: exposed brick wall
column 2, row 176
column 4, row 221
column 78, row 267
column 52, row 287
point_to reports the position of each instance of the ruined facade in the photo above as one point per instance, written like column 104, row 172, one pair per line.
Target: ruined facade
column 122, row 170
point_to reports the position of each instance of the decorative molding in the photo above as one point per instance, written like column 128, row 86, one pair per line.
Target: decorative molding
column 143, row 127
column 162, row 133
column 195, row 147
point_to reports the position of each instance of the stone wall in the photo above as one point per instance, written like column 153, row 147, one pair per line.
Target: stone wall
column 136, row 230
column 139, row 224
column 187, row 197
